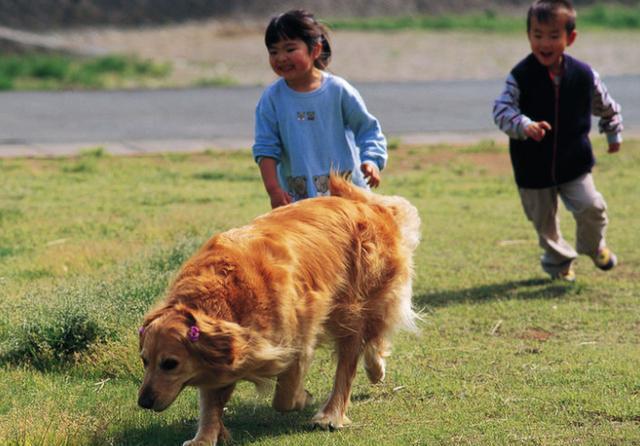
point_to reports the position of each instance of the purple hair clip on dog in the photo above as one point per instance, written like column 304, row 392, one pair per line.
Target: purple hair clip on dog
column 194, row 333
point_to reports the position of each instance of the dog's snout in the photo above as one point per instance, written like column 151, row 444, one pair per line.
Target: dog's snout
column 146, row 398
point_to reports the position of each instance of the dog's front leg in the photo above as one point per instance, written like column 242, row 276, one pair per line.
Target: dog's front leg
column 210, row 427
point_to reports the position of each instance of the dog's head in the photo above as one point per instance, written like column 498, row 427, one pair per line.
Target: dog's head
column 180, row 347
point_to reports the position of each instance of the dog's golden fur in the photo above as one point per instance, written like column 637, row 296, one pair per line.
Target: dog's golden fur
column 262, row 296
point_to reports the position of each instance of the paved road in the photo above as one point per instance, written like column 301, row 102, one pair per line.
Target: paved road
column 61, row 123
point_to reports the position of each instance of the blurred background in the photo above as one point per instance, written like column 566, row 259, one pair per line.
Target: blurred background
column 48, row 14
column 115, row 44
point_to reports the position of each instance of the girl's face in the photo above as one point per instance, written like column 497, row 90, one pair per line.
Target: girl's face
column 549, row 40
column 292, row 60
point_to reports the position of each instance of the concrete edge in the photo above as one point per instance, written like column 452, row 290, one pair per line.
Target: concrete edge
column 145, row 147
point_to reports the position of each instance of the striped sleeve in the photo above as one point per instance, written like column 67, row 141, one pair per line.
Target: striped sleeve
column 506, row 111
column 607, row 110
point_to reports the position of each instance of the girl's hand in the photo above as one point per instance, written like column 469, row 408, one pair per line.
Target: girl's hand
column 537, row 130
column 279, row 197
column 371, row 174
column 614, row 147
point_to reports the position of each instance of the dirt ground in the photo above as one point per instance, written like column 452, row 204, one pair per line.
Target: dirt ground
column 213, row 50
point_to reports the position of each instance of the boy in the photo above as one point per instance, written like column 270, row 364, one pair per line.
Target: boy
column 546, row 110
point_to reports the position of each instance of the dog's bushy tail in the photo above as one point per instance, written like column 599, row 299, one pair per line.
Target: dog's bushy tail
column 405, row 214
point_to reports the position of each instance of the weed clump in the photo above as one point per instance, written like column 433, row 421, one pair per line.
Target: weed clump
column 54, row 338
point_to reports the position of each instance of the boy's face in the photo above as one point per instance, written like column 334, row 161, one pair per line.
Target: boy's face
column 548, row 41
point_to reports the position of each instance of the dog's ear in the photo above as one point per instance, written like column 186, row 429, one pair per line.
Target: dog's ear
column 218, row 343
column 227, row 346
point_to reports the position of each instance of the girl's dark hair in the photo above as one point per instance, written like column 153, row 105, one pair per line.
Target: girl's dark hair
column 300, row 24
column 546, row 10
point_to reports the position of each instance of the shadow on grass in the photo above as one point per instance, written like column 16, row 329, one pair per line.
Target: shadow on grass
column 520, row 289
column 246, row 423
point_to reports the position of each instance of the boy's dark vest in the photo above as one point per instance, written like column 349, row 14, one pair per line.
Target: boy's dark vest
column 565, row 152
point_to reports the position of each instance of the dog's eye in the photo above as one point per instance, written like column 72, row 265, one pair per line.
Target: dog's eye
column 168, row 364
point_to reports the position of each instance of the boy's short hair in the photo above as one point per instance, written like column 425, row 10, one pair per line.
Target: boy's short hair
column 547, row 10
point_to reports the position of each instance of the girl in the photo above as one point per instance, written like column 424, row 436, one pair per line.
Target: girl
column 309, row 121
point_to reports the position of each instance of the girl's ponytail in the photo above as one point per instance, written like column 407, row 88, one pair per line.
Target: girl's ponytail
column 322, row 62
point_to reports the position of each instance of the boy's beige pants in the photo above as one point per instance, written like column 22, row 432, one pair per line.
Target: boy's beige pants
column 589, row 209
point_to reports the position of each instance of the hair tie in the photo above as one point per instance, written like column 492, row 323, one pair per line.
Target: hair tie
column 141, row 330
column 194, row 333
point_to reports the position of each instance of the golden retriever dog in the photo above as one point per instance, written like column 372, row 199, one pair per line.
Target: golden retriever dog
column 253, row 303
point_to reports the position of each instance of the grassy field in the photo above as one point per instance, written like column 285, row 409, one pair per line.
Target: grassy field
column 504, row 356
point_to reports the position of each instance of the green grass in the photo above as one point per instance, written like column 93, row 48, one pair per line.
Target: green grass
column 594, row 17
column 504, row 356
column 219, row 81
column 47, row 72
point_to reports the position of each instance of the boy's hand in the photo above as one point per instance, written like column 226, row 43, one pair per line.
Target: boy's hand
column 279, row 197
column 614, row 147
column 537, row 130
column 371, row 174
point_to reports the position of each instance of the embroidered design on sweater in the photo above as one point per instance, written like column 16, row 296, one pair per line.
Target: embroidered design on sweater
column 306, row 116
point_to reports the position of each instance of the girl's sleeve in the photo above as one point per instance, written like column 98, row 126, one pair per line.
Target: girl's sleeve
column 506, row 111
column 366, row 129
column 607, row 110
column 267, row 140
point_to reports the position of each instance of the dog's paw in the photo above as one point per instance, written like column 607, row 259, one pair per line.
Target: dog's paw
column 302, row 401
column 197, row 442
column 329, row 422
column 223, row 437
column 374, row 365
column 289, row 404
column 307, row 400
column 375, row 369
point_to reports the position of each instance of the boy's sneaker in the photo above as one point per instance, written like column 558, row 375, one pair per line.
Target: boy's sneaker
column 606, row 259
column 568, row 275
